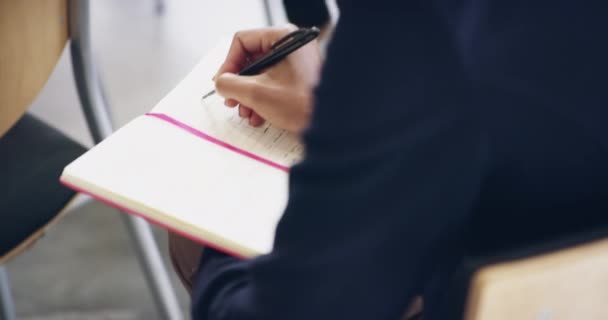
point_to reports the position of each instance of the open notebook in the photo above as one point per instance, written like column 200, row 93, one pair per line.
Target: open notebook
column 195, row 167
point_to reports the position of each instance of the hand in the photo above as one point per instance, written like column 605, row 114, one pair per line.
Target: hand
column 283, row 93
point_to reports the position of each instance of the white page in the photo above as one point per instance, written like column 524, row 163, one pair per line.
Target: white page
column 183, row 181
column 210, row 116
column 166, row 173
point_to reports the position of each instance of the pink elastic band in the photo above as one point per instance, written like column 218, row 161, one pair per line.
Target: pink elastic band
column 216, row 141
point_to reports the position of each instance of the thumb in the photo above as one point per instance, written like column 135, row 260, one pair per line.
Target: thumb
column 247, row 90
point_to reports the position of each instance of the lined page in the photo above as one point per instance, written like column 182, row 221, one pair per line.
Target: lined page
column 161, row 167
column 185, row 183
column 210, row 116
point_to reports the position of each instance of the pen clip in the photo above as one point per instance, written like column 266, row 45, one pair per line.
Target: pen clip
column 295, row 36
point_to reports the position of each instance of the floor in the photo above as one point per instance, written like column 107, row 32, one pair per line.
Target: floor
column 85, row 268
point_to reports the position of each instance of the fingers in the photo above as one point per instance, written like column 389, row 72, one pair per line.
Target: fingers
column 262, row 100
column 231, row 103
column 251, row 43
column 244, row 112
column 238, row 88
column 246, row 46
column 249, row 91
column 253, row 118
column 256, row 120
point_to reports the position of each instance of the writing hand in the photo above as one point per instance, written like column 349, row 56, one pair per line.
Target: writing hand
column 283, row 93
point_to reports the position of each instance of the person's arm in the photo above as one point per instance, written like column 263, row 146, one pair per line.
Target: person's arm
column 394, row 157
column 185, row 255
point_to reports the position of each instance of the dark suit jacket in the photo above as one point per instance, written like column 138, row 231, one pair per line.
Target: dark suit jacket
column 441, row 129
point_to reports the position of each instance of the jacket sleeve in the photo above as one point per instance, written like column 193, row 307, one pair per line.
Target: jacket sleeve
column 395, row 155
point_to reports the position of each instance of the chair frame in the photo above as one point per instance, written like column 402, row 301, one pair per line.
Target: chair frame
column 96, row 111
column 7, row 307
column 97, row 114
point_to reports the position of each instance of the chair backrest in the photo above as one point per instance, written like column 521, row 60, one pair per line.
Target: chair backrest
column 33, row 34
column 569, row 283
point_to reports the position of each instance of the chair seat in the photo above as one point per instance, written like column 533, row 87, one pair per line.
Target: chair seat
column 32, row 157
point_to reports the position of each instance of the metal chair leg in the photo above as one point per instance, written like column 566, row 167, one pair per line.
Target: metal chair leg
column 268, row 12
column 7, row 306
column 100, row 125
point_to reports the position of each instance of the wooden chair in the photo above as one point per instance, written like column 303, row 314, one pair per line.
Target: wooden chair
column 33, row 35
column 560, row 280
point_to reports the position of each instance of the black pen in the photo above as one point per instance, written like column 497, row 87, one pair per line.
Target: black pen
column 279, row 50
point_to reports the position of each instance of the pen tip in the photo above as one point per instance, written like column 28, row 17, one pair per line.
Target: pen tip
column 208, row 94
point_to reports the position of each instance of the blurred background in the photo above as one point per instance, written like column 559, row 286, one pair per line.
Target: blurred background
column 85, row 267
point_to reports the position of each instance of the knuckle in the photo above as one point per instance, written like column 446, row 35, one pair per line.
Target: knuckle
column 221, row 85
column 289, row 27
column 254, row 91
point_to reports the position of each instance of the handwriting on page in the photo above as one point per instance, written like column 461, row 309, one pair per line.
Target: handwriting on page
column 267, row 141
